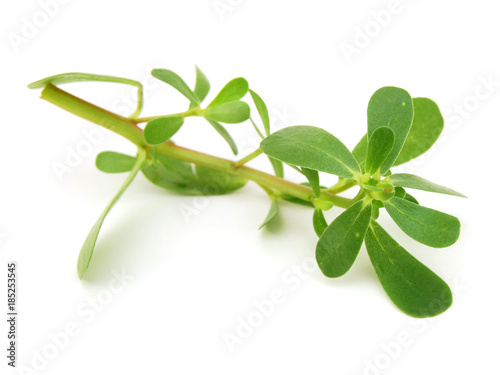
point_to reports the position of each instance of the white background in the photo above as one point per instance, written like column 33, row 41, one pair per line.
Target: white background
column 195, row 277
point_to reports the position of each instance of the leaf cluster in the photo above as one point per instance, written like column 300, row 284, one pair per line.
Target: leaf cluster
column 400, row 128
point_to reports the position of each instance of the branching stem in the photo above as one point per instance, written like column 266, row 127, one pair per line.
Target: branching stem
column 128, row 128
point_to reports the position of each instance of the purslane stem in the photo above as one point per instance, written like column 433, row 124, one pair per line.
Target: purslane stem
column 188, row 113
column 247, row 158
column 128, row 129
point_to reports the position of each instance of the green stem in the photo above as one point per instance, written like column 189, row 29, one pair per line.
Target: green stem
column 127, row 128
column 247, row 158
column 122, row 125
column 342, row 185
column 256, row 128
column 191, row 112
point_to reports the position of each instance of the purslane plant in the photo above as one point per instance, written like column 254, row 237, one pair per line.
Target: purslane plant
column 400, row 128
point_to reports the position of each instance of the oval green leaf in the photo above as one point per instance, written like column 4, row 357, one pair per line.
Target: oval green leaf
column 263, row 112
column 273, row 212
column 427, row 126
column 359, row 152
column 379, row 147
column 277, row 167
column 313, row 178
column 411, row 198
column 430, row 227
column 184, row 178
column 230, row 113
column 233, row 91
column 161, row 129
column 392, row 107
column 114, row 162
column 414, row 182
column 201, row 87
column 313, row 148
column 88, row 246
column 339, row 244
column 177, row 83
column 319, row 222
column 225, row 134
column 414, row 288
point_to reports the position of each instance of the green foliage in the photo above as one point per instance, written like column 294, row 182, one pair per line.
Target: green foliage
column 161, row 129
column 181, row 177
column 411, row 198
column 414, row 182
column 414, row 288
column 379, row 147
column 114, row 162
column 272, row 214
column 86, row 77
column 263, row 112
column 233, row 91
column 319, row 222
column 399, row 129
column 88, row 246
column 339, row 244
column 225, row 134
column 313, row 178
column 427, row 126
column 392, row 107
column 230, row 112
column 425, row 129
column 313, row 148
column 430, row 227
column 177, row 83
column 201, row 87
column 277, row 166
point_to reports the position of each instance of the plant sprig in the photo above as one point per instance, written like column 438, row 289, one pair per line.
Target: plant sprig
column 400, row 128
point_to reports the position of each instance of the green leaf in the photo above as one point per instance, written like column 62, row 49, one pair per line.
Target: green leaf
column 263, row 112
column 224, row 133
column 414, row 288
column 425, row 130
column 427, row 126
column 213, row 182
column 273, row 212
column 292, row 199
column 88, row 246
column 339, row 244
column 233, row 91
column 184, row 178
column 161, row 129
column 379, row 147
column 414, row 182
column 313, row 148
column 313, row 178
column 399, row 192
column 359, row 152
column 114, row 162
column 177, row 83
column 392, row 107
column 84, row 77
column 230, row 112
column 430, row 227
column 322, row 204
column 319, row 222
column 201, row 87
column 277, row 166
column 411, row 198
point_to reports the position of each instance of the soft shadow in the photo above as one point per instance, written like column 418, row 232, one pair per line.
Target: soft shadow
column 115, row 250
